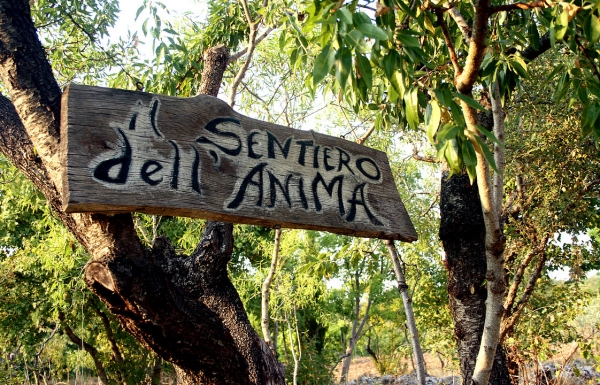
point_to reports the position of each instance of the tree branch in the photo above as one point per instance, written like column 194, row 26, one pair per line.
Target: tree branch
column 518, row 277
column 266, row 286
column 250, row 51
column 523, row 6
column 462, row 24
column 27, row 75
column 590, row 60
column 498, row 115
column 366, row 136
column 466, row 79
column 440, row 18
column 259, row 39
column 508, row 323
column 116, row 352
column 87, row 347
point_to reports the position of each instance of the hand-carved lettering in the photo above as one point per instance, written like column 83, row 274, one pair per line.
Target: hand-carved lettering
column 153, row 116
column 329, row 188
column 344, row 159
column 342, row 175
column 103, row 170
column 362, row 202
column 326, row 157
column 316, row 157
column 272, row 140
column 303, row 144
column 196, row 171
column 175, row 171
column 303, row 199
column 273, row 182
column 213, row 126
column 248, row 180
column 360, row 166
column 133, row 121
column 251, row 143
column 150, row 168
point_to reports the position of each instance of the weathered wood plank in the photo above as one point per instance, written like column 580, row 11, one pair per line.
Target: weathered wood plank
column 132, row 151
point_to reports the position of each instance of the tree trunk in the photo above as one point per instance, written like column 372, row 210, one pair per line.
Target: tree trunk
column 462, row 232
column 184, row 308
column 410, row 315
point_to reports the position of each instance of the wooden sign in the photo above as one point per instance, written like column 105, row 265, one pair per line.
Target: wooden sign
column 132, row 151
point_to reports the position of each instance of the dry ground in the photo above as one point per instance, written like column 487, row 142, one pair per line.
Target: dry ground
column 362, row 366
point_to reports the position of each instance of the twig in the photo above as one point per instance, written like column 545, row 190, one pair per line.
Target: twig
column 366, row 136
column 523, row 6
column 462, row 24
column 241, row 53
column 582, row 48
column 440, row 18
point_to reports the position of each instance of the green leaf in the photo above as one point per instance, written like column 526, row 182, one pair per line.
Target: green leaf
column 487, row 153
column 518, row 64
column 407, row 39
column 448, row 131
column 489, row 135
column 534, row 36
column 366, row 72
column 372, row 31
column 561, row 24
column 559, row 69
column 452, row 156
column 589, row 118
column 356, row 40
column 139, row 11
column 562, row 87
column 433, row 116
column 344, row 15
column 145, row 27
column 591, row 27
column 343, row 66
column 470, row 101
column 468, row 153
column 397, row 81
column 361, row 18
column 411, row 101
column 388, row 63
column 323, row 64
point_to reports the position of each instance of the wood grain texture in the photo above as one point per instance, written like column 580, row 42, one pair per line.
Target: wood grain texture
column 132, row 151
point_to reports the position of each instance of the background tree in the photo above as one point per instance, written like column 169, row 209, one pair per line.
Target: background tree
column 429, row 57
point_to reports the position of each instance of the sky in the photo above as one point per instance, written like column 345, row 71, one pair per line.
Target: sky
column 129, row 8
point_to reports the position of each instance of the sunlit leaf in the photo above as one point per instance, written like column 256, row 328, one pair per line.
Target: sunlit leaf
column 411, row 101
column 366, row 72
column 343, row 66
column 591, row 27
column 470, row 101
column 433, row 116
column 323, row 64
column 372, row 31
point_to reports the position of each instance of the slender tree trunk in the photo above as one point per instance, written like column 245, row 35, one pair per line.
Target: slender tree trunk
column 266, row 289
column 87, row 347
column 358, row 325
column 116, row 352
column 184, row 308
column 410, row 316
column 462, row 232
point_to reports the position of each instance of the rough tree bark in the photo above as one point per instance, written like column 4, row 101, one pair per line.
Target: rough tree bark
column 182, row 307
column 462, row 232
